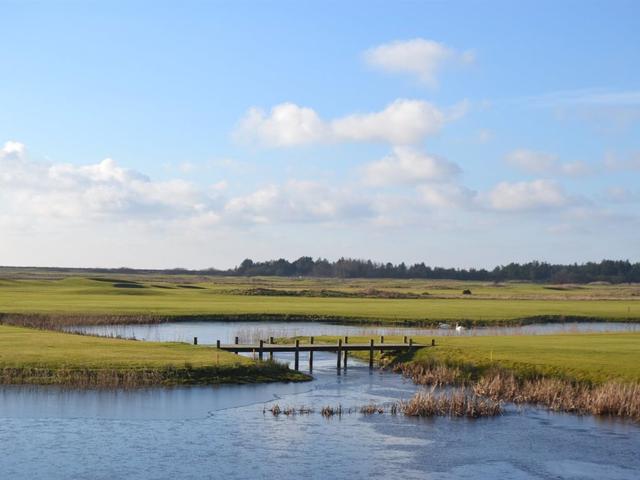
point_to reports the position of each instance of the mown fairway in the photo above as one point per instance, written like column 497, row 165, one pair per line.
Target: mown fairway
column 385, row 300
column 25, row 347
column 29, row 356
column 590, row 357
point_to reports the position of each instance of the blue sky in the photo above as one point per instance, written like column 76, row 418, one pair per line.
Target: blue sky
column 160, row 134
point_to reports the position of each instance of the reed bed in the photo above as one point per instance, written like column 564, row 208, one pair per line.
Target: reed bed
column 458, row 403
column 557, row 394
column 611, row 398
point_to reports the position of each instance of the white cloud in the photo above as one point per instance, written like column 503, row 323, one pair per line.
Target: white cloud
column 12, row 151
column 408, row 166
column 400, row 123
column 286, row 125
column 536, row 162
column 297, row 201
column 42, row 192
column 447, row 196
column 420, row 57
column 518, row 196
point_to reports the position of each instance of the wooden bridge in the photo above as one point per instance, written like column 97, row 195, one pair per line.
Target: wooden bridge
column 342, row 347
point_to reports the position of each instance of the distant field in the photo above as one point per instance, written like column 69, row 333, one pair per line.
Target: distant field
column 360, row 300
column 39, row 356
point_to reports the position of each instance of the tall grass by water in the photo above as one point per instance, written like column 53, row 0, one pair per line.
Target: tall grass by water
column 557, row 394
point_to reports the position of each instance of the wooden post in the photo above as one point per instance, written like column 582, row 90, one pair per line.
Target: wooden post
column 271, row 351
column 339, row 353
column 346, row 339
column 433, row 342
column 237, row 342
column 346, row 350
column 411, row 342
column 217, row 343
column 404, row 340
column 381, row 342
column 195, row 340
column 297, row 356
column 261, row 351
column 310, row 355
column 371, row 353
column 271, row 340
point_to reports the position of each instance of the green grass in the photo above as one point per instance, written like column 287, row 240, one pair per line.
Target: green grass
column 220, row 296
column 592, row 358
column 29, row 350
column 589, row 357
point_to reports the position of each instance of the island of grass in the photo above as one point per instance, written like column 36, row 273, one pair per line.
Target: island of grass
column 29, row 356
column 595, row 373
column 54, row 301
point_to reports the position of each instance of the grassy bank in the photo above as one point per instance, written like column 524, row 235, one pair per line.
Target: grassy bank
column 582, row 373
column 40, row 357
column 148, row 300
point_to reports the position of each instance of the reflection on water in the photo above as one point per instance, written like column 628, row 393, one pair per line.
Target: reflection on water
column 221, row 432
column 251, row 332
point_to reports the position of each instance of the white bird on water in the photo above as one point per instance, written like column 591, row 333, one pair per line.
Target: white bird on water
column 460, row 328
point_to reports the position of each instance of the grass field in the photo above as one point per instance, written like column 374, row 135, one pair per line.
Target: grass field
column 359, row 300
column 39, row 356
column 591, row 358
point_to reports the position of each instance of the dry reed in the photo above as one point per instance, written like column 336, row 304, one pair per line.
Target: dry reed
column 557, row 394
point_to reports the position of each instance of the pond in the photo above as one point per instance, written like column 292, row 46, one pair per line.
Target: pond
column 209, row 332
column 222, row 432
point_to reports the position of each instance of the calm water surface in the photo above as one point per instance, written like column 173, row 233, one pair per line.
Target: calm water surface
column 209, row 332
column 222, row 432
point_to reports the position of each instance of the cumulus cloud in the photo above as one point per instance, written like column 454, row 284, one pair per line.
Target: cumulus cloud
column 297, row 201
column 44, row 192
column 407, row 166
column 447, row 196
column 537, row 162
column 419, row 57
column 534, row 195
column 402, row 122
column 287, row 124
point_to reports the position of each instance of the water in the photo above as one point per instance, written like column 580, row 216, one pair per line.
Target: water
column 209, row 332
column 221, row 432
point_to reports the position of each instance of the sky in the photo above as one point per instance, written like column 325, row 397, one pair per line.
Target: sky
column 196, row 134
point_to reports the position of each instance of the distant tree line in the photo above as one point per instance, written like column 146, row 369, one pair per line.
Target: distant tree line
column 613, row 271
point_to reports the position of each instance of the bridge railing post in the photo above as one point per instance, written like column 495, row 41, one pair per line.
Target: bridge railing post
column 261, row 350
column 339, row 353
column 371, row 353
column 310, row 355
column 297, row 356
